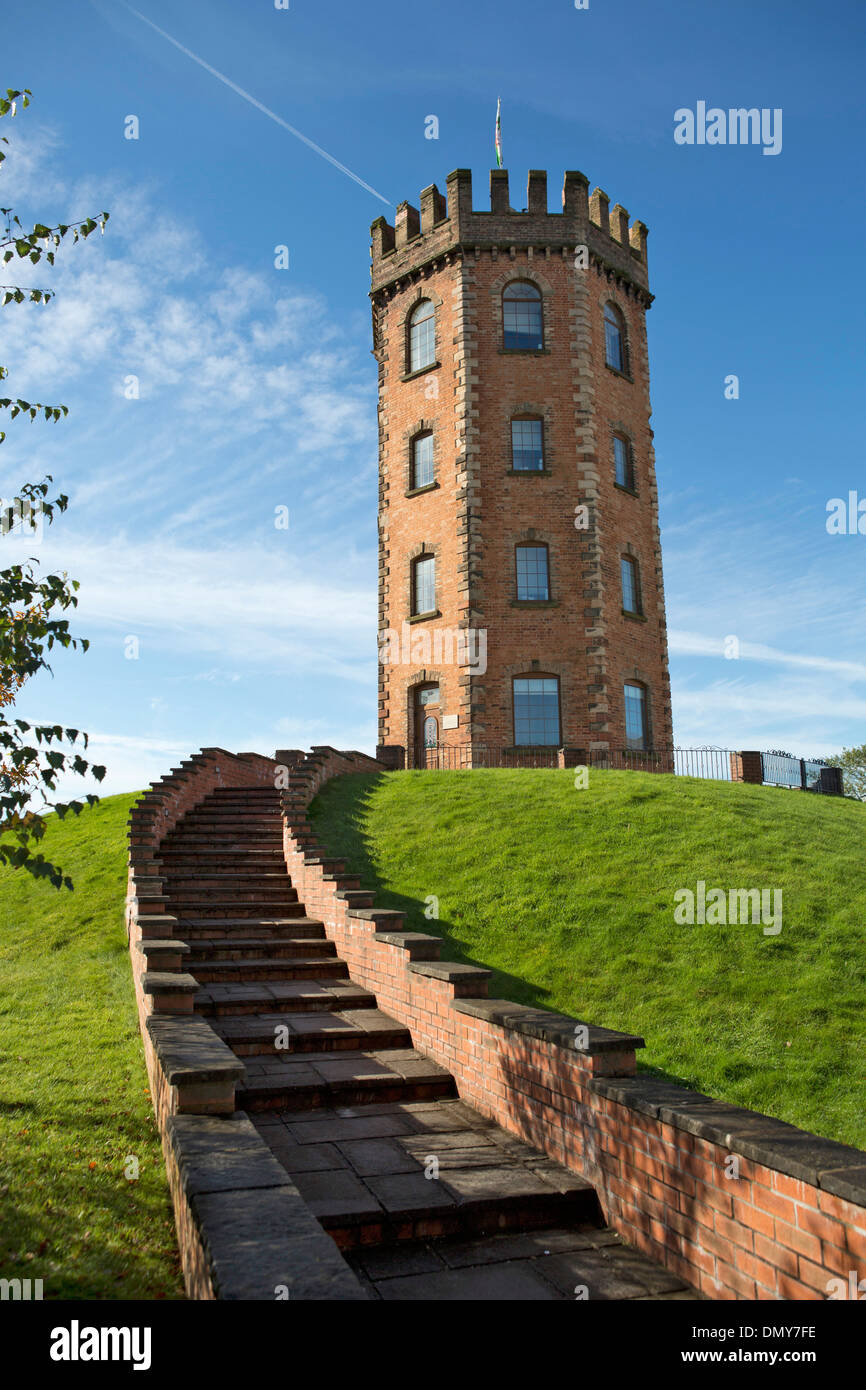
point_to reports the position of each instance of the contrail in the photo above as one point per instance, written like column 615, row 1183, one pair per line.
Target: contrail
column 259, row 106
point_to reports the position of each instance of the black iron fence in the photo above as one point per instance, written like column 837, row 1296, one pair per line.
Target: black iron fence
column 717, row 764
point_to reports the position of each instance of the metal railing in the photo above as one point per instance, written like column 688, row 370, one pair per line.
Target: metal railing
column 451, row 757
column 715, row 764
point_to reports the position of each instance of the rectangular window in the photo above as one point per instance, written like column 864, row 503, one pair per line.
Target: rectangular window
column 630, row 592
column 635, row 716
column 527, row 445
column 422, row 460
column 532, row 577
column 536, row 711
column 424, row 585
column 623, row 462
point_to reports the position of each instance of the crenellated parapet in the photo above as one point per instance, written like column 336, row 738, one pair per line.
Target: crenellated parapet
column 447, row 224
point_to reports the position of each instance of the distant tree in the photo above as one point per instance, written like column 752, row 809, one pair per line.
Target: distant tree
column 853, row 764
column 32, row 757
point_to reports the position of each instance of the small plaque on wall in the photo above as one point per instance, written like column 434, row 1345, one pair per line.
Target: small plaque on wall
column 450, row 721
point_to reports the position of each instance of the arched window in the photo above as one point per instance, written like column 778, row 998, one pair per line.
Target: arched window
column 422, row 336
column 615, row 352
column 527, row 444
column 636, row 722
column 522, row 318
column 533, row 581
column 630, row 584
column 426, row 718
column 422, row 460
column 423, row 584
column 623, row 462
column 536, row 711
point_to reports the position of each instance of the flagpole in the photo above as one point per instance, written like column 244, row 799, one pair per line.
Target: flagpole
column 498, row 133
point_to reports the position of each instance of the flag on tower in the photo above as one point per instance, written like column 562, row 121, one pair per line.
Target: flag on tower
column 498, row 133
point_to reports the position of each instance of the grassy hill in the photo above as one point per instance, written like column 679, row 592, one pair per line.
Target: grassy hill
column 569, row 897
column 74, row 1103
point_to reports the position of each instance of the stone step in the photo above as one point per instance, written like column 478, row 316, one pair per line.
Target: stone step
column 192, row 865
column 281, row 996
column 210, row 849
column 312, row 1031
column 210, row 854
column 255, row 948
column 280, row 891
column 257, row 969
column 255, row 805
column 387, row 1172
column 267, row 880
column 311, row 1080
column 221, row 844
column 263, row 793
column 228, row 929
column 267, row 832
column 231, row 907
column 548, row 1264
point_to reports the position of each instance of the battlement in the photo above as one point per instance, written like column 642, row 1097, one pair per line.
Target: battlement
column 447, row 221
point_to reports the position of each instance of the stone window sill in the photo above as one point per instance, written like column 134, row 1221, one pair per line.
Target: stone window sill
column 625, row 376
column 417, row 491
column 635, row 617
column 421, row 371
column 424, row 617
column 530, row 472
column 535, row 603
column 621, row 487
column 524, row 352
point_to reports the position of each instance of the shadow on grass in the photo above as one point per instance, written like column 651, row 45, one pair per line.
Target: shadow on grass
column 343, row 834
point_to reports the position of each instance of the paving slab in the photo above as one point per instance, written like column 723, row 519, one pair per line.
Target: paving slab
column 516, row 1282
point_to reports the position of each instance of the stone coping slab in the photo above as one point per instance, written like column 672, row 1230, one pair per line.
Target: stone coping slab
column 163, row 982
column 419, row 944
column 450, row 970
column 547, row 1026
column 835, row 1167
column 259, row 1239
column 389, row 915
column 162, row 946
column 189, row 1051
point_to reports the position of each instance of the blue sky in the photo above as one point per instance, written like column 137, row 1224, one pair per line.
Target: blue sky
column 257, row 388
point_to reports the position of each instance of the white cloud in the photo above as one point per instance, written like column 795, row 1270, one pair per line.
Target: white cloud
column 254, row 606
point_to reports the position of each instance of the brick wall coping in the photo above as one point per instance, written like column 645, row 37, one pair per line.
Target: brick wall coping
column 190, row 1053
column 256, row 1236
column 559, row 1029
column 837, row 1168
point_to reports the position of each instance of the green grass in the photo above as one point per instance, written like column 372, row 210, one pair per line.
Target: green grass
column 568, row 896
column 74, row 1102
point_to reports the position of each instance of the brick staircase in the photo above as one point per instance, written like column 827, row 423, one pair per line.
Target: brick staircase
column 370, row 1131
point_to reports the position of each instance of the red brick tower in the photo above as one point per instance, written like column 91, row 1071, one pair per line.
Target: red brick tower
column 520, row 580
